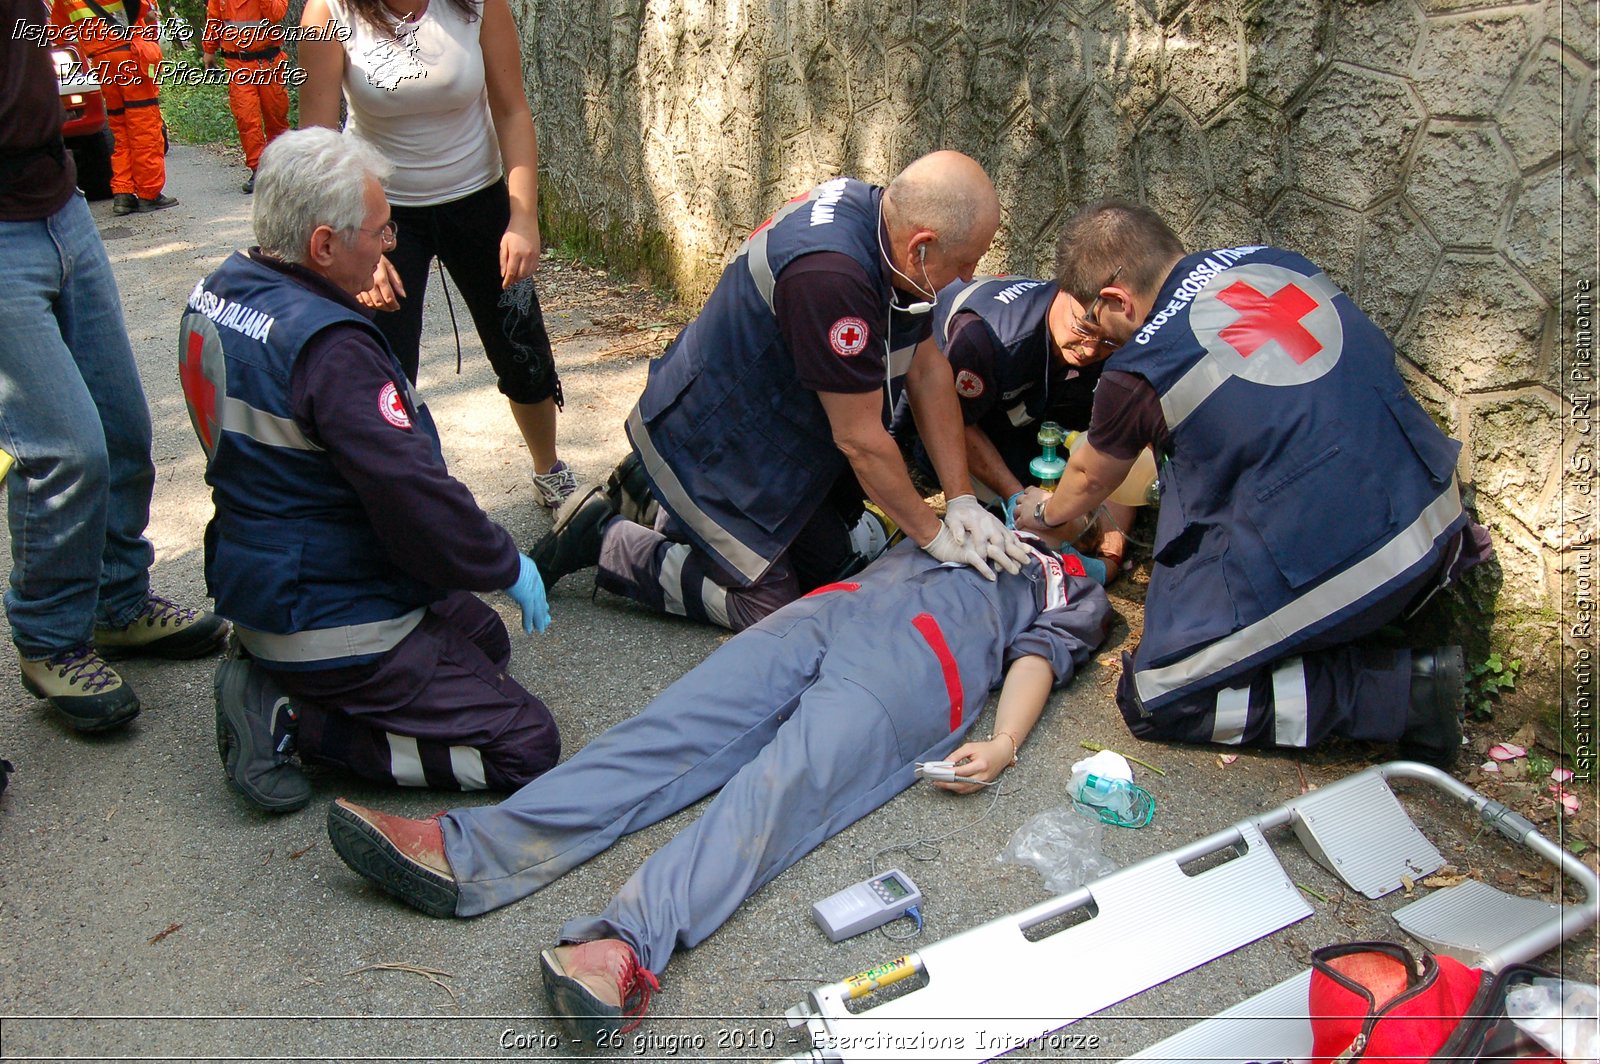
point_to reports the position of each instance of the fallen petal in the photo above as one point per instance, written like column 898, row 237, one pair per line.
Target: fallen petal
column 1570, row 803
column 1489, row 766
column 1227, row 759
column 1506, row 751
column 1561, row 775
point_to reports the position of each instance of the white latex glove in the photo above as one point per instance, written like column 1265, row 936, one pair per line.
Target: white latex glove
column 985, row 533
column 947, row 546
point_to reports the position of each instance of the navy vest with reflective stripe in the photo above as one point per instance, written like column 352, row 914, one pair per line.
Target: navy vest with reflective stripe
column 1271, row 490
column 1014, row 309
column 734, row 445
column 289, row 551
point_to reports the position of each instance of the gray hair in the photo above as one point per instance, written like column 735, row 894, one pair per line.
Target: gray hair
column 307, row 178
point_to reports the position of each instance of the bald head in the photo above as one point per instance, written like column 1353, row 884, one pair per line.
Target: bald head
column 941, row 214
column 948, row 193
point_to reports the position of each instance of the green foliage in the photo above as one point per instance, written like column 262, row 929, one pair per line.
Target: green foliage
column 1486, row 680
column 198, row 113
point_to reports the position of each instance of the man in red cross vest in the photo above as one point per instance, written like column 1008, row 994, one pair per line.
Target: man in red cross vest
column 1307, row 499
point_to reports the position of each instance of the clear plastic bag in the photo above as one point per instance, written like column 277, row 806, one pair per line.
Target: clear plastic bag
column 1560, row 1015
column 1063, row 845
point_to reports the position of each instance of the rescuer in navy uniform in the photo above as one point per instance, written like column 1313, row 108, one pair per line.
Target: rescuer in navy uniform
column 1307, row 499
column 340, row 543
column 761, row 428
column 1017, row 363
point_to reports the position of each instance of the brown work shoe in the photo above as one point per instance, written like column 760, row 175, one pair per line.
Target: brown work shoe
column 594, row 986
column 163, row 629
column 405, row 857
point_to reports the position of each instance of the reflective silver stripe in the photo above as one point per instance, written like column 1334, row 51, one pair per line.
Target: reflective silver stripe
column 900, row 360
column 755, row 250
column 735, row 554
column 1192, row 389
column 1233, row 713
column 236, row 415
column 671, row 579
column 1361, row 579
column 327, row 644
column 967, row 295
column 755, row 258
column 466, row 764
column 1019, row 416
column 1290, row 703
column 714, row 597
column 1207, row 375
column 405, row 761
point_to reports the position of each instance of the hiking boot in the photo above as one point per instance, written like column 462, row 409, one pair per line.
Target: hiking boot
column 1438, row 694
column 573, row 543
column 556, row 486
column 249, row 185
column 404, row 857
column 629, row 491
column 82, row 688
column 255, row 738
column 124, row 203
column 163, row 629
column 594, row 986
column 159, row 202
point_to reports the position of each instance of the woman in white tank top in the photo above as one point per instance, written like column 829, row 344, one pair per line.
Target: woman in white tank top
column 436, row 87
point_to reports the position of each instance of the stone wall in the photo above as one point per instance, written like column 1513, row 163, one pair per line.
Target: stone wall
column 1435, row 156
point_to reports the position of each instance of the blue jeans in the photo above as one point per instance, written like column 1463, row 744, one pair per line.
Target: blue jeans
column 73, row 415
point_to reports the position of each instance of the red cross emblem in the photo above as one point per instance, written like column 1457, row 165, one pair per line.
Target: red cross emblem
column 1263, row 319
column 848, row 336
column 392, row 407
column 199, row 380
column 1269, row 324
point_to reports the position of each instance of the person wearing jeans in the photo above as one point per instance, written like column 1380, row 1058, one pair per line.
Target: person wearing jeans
column 74, row 420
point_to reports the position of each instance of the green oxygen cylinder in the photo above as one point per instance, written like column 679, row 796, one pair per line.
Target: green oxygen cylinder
column 1047, row 468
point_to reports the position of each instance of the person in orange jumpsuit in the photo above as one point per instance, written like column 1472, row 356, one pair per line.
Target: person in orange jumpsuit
column 121, row 41
column 247, row 34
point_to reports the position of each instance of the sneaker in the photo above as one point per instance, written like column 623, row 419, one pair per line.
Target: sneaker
column 404, row 857
column 573, row 543
column 156, row 203
column 124, row 203
column 82, row 688
column 594, row 986
column 249, row 185
column 254, row 737
column 1438, row 694
column 556, row 486
column 163, row 629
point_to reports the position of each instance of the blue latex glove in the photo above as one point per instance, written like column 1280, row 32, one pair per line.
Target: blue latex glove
column 1011, row 509
column 528, row 592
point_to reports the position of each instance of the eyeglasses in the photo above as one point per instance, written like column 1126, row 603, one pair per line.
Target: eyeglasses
column 1082, row 325
column 387, row 233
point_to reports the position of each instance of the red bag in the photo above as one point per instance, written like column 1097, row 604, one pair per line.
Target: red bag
column 1373, row 1001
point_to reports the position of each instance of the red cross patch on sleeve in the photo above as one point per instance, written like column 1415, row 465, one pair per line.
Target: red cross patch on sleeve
column 393, row 408
column 848, row 337
column 968, row 384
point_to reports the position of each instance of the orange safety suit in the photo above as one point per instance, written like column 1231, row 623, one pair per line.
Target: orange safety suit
column 247, row 34
column 124, row 49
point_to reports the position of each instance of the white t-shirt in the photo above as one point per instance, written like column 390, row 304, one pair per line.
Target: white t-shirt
column 416, row 93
